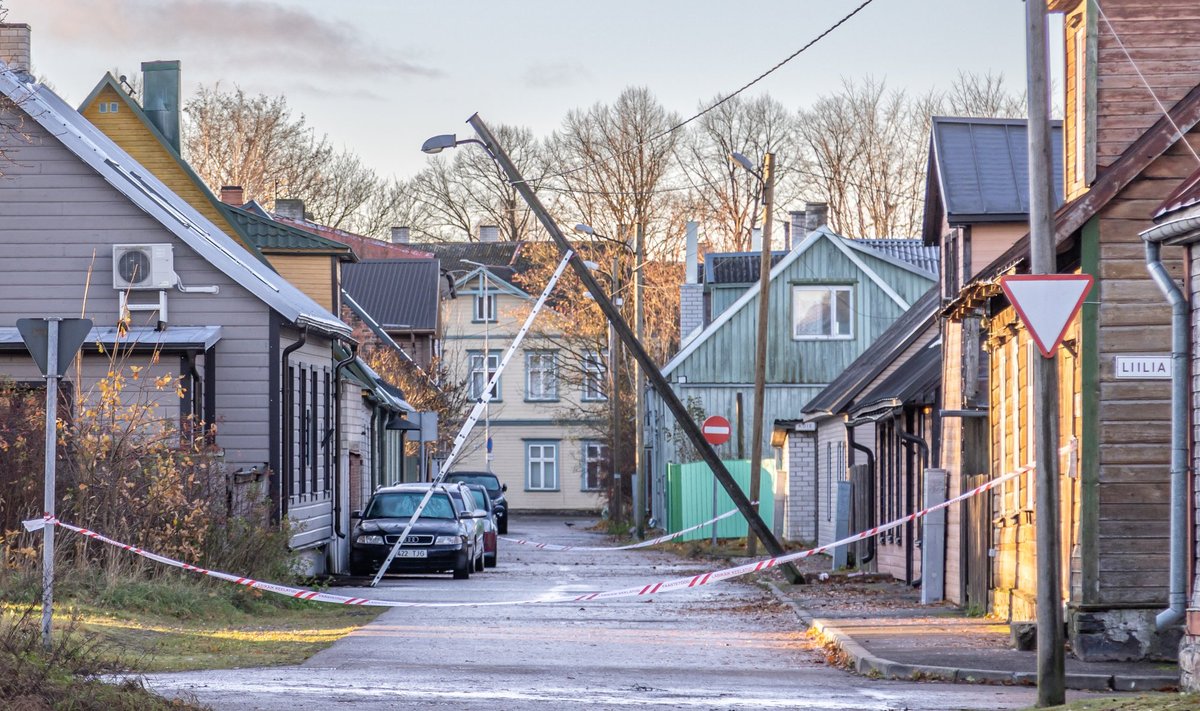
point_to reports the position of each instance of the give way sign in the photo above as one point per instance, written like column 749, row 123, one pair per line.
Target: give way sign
column 716, row 430
column 1047, row 303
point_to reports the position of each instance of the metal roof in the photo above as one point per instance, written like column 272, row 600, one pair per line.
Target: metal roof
column 912, row 251
column 400, row 294
column 136, row 337
column 493, row 254
column 1186, row 195
column 736, row 267
column 871, row 362
column 364, row 247
column 908, row 385
column 269, row 235
column 149, row 194
column 981, row 167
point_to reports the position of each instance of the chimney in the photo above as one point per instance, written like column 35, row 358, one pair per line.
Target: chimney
column 816, row 214
column 756, row 239
column 290, row 208
column 14, row 47
column 233, row 195
column 160, row 98
column 400, row 235
column 691, row 292
column 796, row 229
column 489, row 233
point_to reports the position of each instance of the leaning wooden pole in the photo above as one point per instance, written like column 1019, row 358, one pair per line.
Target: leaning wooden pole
column 650, row 369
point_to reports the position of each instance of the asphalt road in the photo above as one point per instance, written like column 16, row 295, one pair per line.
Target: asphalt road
column 726, row 646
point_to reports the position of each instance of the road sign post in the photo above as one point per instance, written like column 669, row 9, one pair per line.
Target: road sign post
column 53, row 343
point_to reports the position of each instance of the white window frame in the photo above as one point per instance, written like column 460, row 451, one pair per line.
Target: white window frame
column 476, row 379
column 541, row 455
column 595, row 376
column 541, row 376
column 479, row 315
column 596, row 452
column 835, row 315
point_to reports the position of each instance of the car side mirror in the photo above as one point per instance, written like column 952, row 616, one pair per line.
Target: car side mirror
column 504, row 487
column 356, row 514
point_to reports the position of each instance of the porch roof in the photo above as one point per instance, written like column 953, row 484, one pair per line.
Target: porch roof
column 139, row 338
column 909, row 385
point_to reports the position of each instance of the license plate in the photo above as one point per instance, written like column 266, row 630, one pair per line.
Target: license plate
column 402, row 553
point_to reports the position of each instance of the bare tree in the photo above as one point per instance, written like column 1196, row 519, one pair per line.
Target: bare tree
column 982, row 95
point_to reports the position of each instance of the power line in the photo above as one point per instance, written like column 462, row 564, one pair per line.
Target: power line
column 718, row 104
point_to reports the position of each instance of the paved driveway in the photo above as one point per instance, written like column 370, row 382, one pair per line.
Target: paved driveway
column 730, row 646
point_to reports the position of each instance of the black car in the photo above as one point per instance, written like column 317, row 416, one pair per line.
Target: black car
column 494, row 489
column 445, row 538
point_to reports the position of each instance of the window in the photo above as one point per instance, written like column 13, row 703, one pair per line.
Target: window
column 103, row 107
column 479, row 379
column 112, row 107
column 821, row 312
column 595, row 465
column 541, row 375
column 595, row 372
column 485, row 308
column 541, row 466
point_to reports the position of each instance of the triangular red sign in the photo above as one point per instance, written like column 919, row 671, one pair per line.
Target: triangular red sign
column 1047, row 303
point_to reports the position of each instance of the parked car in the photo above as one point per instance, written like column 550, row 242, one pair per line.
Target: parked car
column 494, row 489
column 490, row 542
column 447, row 537
column 464, row 498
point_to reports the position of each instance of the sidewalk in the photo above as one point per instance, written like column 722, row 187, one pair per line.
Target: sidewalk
column 878, row 627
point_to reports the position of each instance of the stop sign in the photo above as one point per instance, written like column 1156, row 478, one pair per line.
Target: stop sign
column 716, row 430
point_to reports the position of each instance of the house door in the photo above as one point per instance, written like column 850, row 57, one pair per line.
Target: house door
column 977, row 541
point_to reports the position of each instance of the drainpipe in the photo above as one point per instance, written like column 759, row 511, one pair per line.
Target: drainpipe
column 285, row 459
column 1177, row 597
column 910, row 493
column 870, row 556
column 337, row 438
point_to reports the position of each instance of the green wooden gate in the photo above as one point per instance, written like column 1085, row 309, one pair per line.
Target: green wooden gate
column 690, row 498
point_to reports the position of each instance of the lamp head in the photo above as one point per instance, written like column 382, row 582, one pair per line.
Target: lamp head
column 741, row 160
column 437, row 144
column 585, row 229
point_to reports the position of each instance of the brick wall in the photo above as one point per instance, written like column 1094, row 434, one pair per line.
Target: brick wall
column 801, row 477
column 691, row 308
column 15, row 46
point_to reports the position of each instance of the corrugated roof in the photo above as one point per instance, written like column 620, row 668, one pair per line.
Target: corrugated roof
column 912, row 251
column 400, row 294
column 877, row 356
column 1186, row 195
column 982, row 167
column 271, row 235
column 492, row 254
column 736, row 267
column 150, row 195
column 915, row 378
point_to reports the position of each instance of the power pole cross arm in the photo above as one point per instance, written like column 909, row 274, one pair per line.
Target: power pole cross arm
column 690, row 428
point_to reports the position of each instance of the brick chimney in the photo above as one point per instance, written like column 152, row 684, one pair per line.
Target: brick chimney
column 233, row 195
column 15, row 47
column 400, row 235
column 691, row 292
column 489, row 233
column 290, row 208
column 816, row 214
column 796, row 229
column 160, row 98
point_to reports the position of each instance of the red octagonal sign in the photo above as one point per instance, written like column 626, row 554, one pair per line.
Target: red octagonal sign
column 716, row 430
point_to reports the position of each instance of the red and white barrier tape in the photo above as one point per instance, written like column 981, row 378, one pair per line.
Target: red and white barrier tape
column 631, row 546
column 692, row 581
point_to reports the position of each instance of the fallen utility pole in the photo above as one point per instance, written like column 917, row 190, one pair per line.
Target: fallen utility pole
column 650, row 369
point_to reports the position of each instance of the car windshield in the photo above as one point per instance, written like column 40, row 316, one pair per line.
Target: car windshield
column 487, row 481
column 403, row 504
column 480, row 502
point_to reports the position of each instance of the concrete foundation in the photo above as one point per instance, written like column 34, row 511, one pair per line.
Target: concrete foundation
column 1120, row 635
column 1189, row 663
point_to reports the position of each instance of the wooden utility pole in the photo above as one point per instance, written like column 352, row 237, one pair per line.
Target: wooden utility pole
column 639, row 392
column 1050, row 642
column 760, row 344
column 683, row 418
column 614, row 396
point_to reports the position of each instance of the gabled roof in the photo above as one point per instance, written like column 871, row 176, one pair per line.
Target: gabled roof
column 876, row 358
column 909, row 384
column 364, row 247
column 1166, row 131
column 401, row 294
column 846, row 246
column 269, row 235
column 149, row 194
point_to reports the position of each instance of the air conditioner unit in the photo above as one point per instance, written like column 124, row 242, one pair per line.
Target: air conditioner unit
column 144, row 266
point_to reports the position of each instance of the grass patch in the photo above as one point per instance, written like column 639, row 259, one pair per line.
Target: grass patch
column 1141, row 702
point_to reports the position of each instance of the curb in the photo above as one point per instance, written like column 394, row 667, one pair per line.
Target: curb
column 866, row 664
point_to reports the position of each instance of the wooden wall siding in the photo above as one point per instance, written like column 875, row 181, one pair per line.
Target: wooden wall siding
column 1011, row 419
column 128, row 132
column 989, row 241
column 832, row 465
column 312, row 274
column 60, row 221
column 803, row 362
column 309, row 509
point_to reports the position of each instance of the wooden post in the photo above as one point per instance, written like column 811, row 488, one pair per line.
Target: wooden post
column 760, row 345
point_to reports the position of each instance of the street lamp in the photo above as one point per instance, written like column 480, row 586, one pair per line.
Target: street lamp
column 767, row 178
column 489, row 312
column 437, row 144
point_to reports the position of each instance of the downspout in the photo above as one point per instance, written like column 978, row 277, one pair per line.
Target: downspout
column 337, row 438
column 285, row 485
column 1177, row 597
column 870, row 556
column 910, row 495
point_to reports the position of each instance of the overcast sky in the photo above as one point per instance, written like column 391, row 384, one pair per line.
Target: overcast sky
column 380, row 76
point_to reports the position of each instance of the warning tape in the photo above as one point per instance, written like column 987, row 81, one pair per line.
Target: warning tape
column 684, row 583
column 631, row 546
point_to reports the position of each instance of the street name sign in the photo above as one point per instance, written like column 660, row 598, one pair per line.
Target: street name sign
column 1047, row 303
column 1142, row 367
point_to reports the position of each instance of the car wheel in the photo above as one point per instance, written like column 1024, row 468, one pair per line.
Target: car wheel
column 491, row 562
column 359, row 569
column 479, row 564
column 462, row 571
column 502, row 525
